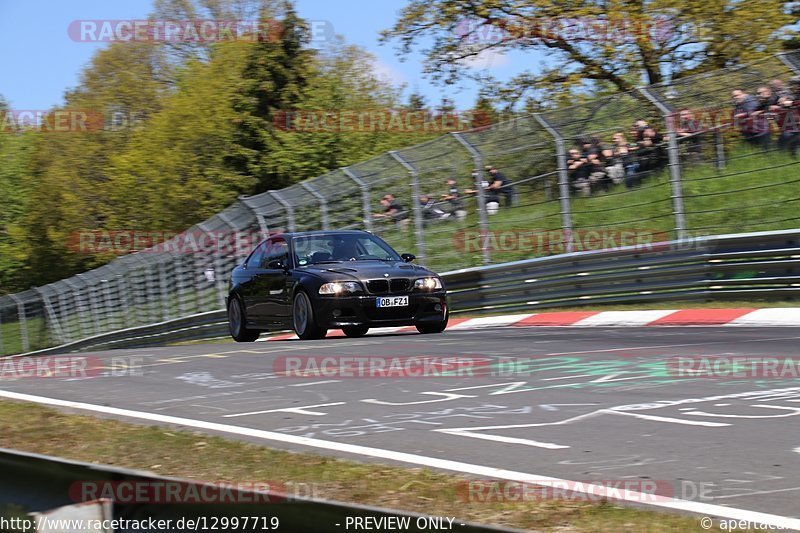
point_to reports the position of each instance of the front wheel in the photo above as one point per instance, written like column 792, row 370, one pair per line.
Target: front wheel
column 303, row 318
column 355, row 331
column 236, row 322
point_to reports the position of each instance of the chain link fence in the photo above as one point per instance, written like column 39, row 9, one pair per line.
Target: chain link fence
column 663, row 162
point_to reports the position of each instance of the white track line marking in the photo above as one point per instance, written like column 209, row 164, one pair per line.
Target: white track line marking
column 315, row 383
column 509, row 440
column 421, row 460
column 303, row 410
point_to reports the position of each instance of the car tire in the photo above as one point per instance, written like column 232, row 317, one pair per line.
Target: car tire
column 237, row 321
column 436, row 327
column 303, row 318
column 355, row 331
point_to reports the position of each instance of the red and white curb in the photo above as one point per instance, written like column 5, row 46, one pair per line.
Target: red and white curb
column 779, row 316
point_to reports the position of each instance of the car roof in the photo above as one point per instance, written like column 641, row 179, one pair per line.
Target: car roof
column 320, row 233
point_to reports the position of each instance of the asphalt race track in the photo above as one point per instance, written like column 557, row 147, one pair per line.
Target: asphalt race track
column 581, row 407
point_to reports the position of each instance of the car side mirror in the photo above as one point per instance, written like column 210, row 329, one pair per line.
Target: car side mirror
column 408, row 257
column 276, row 264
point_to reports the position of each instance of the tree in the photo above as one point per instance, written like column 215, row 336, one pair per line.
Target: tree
column 416, row 102
column 483, row 112
column 173, row 172
column 15, row 156
column 618, row 43
column 275, row 78
column 68, row 172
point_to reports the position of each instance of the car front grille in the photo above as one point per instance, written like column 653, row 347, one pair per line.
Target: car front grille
column 388, row 286
column 399, row 284
column 378, row 286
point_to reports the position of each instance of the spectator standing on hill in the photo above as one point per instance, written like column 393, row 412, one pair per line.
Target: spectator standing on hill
column 598, row 180
column 392, row 210
column 788, row 118
column 501, row 184
column 745, row 116
column 453, row 197
column 430, row 211
column 614, row 166
column 624, row 151
column 688, row 129
column 589, row 146
column 490, row 196
column 779, row 89
column 578, row 172
column 637, row 132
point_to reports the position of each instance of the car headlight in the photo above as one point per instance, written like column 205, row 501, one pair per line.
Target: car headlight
column 428, row 284
column 338, row 288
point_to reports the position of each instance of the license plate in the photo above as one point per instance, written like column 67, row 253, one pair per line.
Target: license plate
column 392, row 301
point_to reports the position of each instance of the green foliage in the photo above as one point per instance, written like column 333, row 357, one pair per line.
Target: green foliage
column 589, row 45
column 173, row 173
column 15, row 156
column 275, row 77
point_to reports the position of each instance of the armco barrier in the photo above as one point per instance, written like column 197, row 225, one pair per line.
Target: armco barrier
column 745, row 266
column 39, row 483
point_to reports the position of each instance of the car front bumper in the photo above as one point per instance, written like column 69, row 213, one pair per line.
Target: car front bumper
column 341, row 311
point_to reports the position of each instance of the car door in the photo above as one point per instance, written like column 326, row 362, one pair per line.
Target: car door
column 249, row 288
column 277, row 282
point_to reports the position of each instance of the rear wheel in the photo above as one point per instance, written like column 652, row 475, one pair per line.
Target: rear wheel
column 303, row 318
column 355, row 331
column 236, row 322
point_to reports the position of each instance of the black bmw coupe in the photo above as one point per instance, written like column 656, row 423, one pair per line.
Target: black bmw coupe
column 315, row 281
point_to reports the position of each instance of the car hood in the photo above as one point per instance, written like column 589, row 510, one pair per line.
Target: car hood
column 360, row 270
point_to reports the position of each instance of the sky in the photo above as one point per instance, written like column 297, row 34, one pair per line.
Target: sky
column 39, row 60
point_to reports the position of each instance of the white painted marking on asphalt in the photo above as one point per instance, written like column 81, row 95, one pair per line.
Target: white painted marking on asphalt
column 793, row 411
column 508, row 440
column 555, row 406
column 671, row 420
column 566, row 377
column 315, row 383
column 446, row 397
column 420, row 460
column 304, row 410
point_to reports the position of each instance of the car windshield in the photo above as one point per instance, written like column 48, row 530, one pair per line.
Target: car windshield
column 334, row 248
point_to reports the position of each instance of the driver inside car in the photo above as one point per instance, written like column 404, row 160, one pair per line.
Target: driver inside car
column 345, row 250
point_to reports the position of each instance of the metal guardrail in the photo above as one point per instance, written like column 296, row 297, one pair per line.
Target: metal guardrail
column 40, row 483
column 764, row 265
